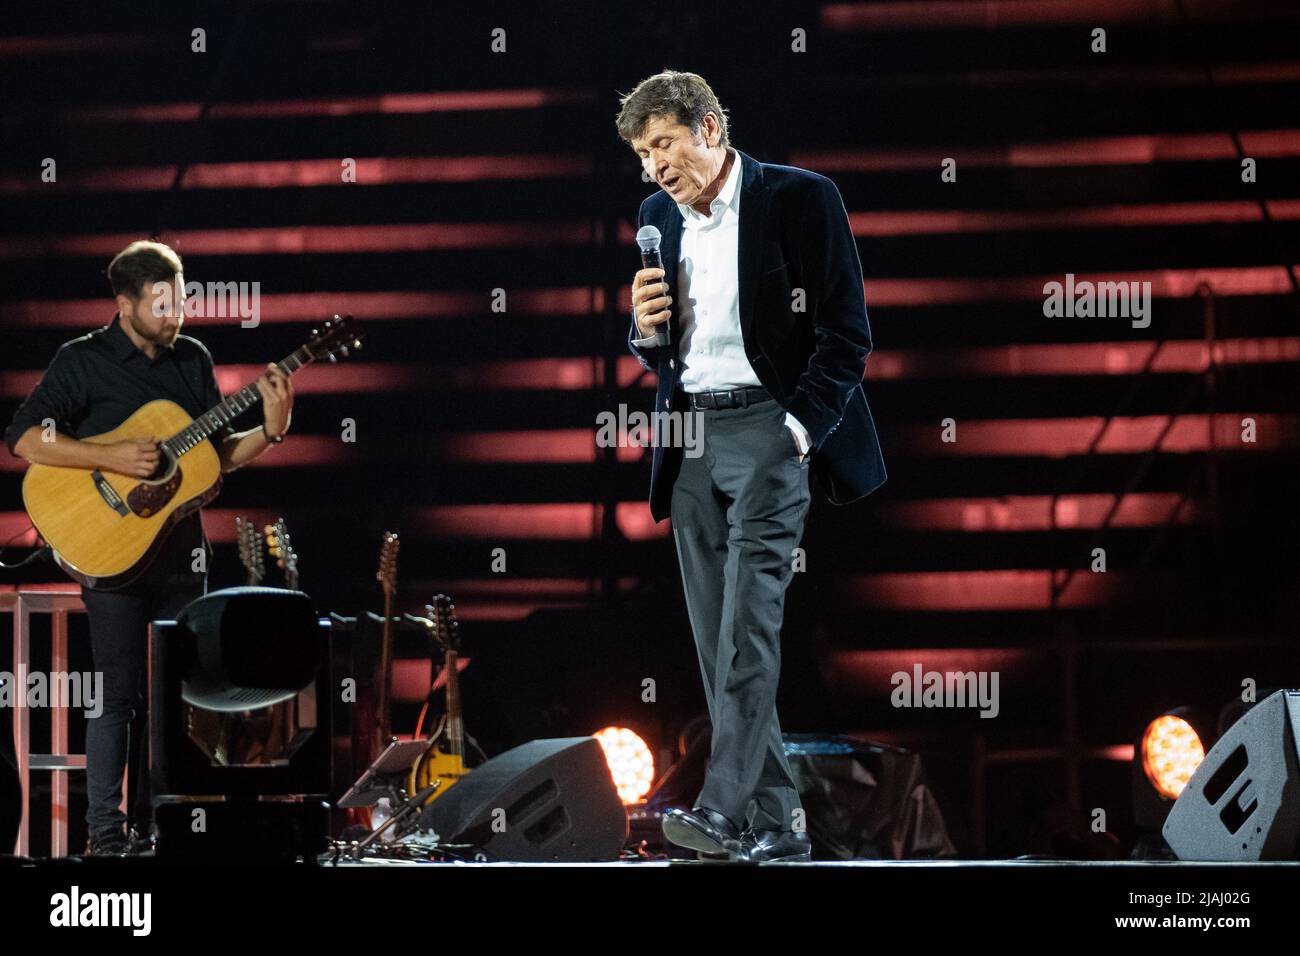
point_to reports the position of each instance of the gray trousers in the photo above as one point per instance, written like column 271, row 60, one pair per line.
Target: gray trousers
column 738, row 513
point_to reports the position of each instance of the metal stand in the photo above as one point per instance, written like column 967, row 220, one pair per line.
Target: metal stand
column 57, row 602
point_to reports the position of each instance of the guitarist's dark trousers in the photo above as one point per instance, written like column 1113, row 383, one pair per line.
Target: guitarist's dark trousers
column 119, row 633
column 738, row 513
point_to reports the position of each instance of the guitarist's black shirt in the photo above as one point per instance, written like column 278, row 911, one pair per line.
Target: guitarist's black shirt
column 96, row 382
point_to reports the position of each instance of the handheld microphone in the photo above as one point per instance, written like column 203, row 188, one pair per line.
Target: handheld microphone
column 648, row 238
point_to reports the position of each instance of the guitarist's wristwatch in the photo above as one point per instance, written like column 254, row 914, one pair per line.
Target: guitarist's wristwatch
column 273, row 441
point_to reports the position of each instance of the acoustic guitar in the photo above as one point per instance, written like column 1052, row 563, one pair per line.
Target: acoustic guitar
column 105, row 528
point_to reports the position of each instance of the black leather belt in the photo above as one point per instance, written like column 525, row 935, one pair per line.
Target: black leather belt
column 732, row 398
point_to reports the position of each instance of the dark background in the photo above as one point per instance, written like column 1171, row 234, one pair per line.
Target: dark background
column 475, row 428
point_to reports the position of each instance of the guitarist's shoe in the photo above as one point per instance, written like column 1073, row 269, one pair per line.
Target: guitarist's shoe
column 110, row 841
column 139, row 844
column 702, row 830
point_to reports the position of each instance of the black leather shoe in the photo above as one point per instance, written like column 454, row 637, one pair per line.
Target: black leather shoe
column 770, row 846
column 702, row 830
column 712, row 857
column 109, row 842
column 138, row 843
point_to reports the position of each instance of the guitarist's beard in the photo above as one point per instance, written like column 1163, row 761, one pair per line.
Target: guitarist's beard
column 165, row 337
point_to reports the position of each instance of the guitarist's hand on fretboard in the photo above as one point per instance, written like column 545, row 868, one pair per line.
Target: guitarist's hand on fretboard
column 276, row 389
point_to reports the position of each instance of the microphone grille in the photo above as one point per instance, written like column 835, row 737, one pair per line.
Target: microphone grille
column 648, row 238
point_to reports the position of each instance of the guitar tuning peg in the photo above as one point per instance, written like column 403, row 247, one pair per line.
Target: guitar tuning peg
column 333, row 357
column 344, row 351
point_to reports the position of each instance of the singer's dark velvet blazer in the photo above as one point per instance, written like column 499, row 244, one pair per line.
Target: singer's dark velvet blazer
column 794, row 234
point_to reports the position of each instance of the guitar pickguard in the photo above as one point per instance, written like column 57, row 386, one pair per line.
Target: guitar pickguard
column 147, row 500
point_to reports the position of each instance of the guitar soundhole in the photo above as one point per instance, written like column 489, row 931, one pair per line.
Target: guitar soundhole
column 164, row 465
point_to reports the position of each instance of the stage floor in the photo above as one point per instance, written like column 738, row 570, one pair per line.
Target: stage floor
column 841, row 864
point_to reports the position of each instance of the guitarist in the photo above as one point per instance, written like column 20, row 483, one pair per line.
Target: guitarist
column 93, row 384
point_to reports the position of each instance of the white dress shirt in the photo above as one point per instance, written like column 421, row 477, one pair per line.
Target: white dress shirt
column 708, row 299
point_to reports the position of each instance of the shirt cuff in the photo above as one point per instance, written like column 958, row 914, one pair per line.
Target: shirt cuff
column 646, row 342
column 800, row 433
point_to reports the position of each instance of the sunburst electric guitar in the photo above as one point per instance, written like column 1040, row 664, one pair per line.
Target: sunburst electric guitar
column 444, row 762
column 105, row 528
column 371, row 724
column 387, row 577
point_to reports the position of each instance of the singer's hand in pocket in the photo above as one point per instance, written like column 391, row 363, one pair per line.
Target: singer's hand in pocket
column 650, row 300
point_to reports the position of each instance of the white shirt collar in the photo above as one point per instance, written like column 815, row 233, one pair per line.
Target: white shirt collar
column 726, row 195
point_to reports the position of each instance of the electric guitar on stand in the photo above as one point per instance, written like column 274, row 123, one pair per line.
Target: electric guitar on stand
column 444, row 763
column 387, row 577
column 370, row 721
column 105, row 528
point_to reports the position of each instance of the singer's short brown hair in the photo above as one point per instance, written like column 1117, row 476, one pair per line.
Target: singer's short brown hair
column 685, row 96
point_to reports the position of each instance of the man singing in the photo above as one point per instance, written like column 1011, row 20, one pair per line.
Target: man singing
column 767, row 343
column 93, row 384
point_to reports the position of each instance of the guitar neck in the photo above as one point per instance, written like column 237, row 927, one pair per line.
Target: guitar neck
column 455, row 724
column 385, row 670
column 230, row 408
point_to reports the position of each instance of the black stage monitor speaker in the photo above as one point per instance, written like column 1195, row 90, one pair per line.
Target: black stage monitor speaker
column 542, row 801
column 1243, row 801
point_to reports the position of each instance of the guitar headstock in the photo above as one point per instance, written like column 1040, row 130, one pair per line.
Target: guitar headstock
column 387, row 573
column 250, row 549
column 446, row 629
column 335, row 339
column 280, row 546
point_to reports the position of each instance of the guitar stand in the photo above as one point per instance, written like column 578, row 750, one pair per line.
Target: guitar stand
column 386, row 777
column 409, row 807
column 377, row 781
